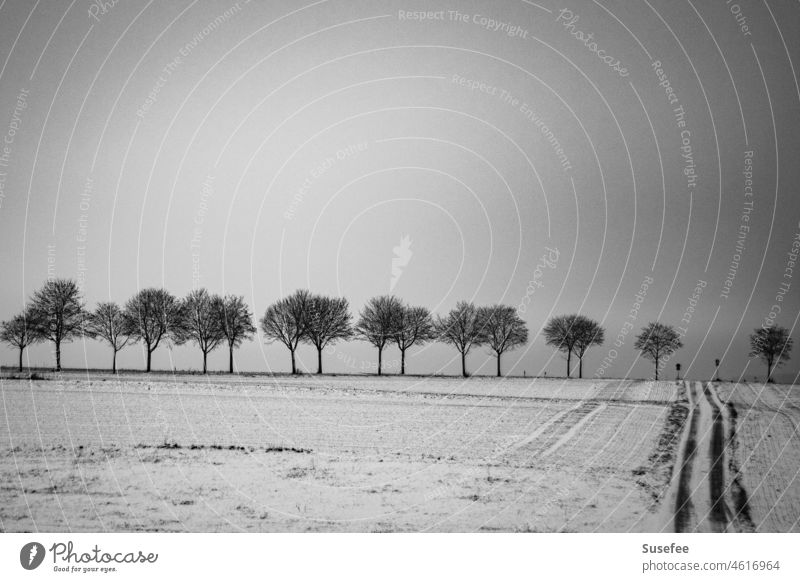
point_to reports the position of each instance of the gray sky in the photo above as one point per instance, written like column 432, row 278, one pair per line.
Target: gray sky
column 255, row 148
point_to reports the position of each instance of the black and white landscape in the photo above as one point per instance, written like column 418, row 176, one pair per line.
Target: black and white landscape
column 377, row 266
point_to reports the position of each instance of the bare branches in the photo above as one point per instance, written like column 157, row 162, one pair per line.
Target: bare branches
column 462, row 328
column 378, row 322
column 560, row 332
column 202, row 323
column 154, row 315
column 327, row 321
column 285, row 321
column 772, row 344
column 588, row 333
column 414, row 325
column 108, row 322
column 19, row 332
column 57, row 313
column 503, row 329
column 657, row 341
column 236, row 322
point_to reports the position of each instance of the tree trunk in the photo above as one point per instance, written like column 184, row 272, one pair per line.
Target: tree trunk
column 464, row 364
column 380, row 360
column 205, row 364
column 769, row 371
column 149, row 355
column 294, row 367
column 656, row 369
column 20, row 359
column 580, row 367
column 114, row 363
column 319, row 360
column 498, row 366
column 569, row 363
column 58, row 356
column 230, row 359
column 402, row 361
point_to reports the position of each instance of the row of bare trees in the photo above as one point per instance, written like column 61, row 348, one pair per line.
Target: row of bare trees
column 308, row 318
column 56, row 313
column 387, row 320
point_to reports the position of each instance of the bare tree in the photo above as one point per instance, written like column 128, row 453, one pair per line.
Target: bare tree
column 236, row 321
column 154, row 315
column 378, row 321
column 327, row 321
column 588, row 333
column 503, row 328
column 462, row 328
column 108, row 322
column 414, row 326
column 18, row 332
column 772, row 344
column 285, row 321
column 561, row 332
column 202, row 322
column 57, row 313
column 657, row 341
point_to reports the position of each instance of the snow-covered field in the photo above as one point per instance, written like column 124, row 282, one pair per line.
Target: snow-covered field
column 766, row 422
column 187, row 453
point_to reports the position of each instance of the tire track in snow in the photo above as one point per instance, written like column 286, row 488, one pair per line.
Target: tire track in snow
column 700, row 503
column 575, row 429
column 719, row 514
column 684, row 508
column 547, row 424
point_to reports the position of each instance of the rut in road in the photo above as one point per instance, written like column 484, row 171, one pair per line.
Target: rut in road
column 719, row 516
column 684, row 509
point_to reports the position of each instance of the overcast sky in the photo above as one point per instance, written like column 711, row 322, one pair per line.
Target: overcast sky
column 552, row 155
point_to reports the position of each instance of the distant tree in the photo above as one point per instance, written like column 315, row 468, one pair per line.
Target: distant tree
column 414, row 326
column 561, row 332
column 154, row 315
column 19, row 333
column 771, row 344
column 285, row 321
column 327, row 321
column 588, row 333
column 202, row 323
column 657, row 341
column 378, row 322
column 463, row 329
column 57, row 313
column 236, row 321
column 108, row 322
column 503, row 328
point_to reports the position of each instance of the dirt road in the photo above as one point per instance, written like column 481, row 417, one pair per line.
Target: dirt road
column 700, row 497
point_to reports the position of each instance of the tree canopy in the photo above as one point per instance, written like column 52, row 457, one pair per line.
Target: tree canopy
column 155, row 315
column 327, row 321
column 57, row 313
column 772, row 344
column 378, row 322
column 285, row 321
column 656, row 342
column 19, row 333
column 462, row 328
column 414, row 326
column 503, row 329
column 108, row 322
column 236, row 321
